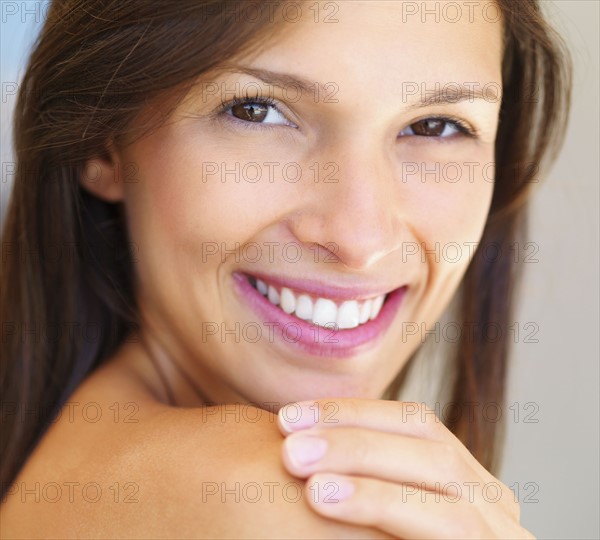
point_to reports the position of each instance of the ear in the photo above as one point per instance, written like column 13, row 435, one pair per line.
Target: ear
column 102, row 176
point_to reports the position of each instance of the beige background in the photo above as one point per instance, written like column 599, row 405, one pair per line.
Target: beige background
column 556, row 460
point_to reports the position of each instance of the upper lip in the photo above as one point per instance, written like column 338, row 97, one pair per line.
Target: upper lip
column 323, row 289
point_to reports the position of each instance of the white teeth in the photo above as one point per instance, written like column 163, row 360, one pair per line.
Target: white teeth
column 325, row 312
column 348, row 315
column 365, row 311
column 376, row 307
column 322, row 311
column 262, row 287
column 304, row 307
column 273, row 295
column 288, row 300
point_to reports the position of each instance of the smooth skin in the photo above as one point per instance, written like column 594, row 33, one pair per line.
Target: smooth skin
column 176, row 451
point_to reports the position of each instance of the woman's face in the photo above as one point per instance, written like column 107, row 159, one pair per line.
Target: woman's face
column 369, row 179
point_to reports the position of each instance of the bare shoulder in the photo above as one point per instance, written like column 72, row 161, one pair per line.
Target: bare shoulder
column 135, row 468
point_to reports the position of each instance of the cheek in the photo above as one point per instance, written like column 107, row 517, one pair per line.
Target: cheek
column 460, row 207
column 450, row 200
column 191, row 197
column 448, row 215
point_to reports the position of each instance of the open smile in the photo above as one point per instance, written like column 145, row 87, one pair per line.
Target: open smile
column 321, row 320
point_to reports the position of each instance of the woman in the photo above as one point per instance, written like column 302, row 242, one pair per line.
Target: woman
column 233, row 226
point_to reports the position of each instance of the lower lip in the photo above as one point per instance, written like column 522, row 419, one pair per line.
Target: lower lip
column 317, row 340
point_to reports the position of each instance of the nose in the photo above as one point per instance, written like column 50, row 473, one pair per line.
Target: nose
column 354, row 209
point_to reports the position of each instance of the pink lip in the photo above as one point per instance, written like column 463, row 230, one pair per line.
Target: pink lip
column 316, row 340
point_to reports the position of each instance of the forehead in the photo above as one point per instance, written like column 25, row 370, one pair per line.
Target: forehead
column 387, row 43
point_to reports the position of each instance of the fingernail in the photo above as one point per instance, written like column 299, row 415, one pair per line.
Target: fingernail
column 329, row 488
column 305, row 449
column 297, row 416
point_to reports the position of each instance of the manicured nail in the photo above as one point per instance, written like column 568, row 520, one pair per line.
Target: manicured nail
column 330, row 488
column 305, row 449
column 297, row 416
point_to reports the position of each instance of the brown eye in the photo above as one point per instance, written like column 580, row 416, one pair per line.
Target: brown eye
column 429, row 128
column 250, row 112
column 434, row 127
column 257, row 111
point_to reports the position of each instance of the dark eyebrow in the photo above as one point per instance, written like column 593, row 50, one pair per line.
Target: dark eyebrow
column 446, row 94
column 451, row 93
column 281, row 80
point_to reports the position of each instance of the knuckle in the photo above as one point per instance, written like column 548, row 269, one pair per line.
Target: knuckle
column 432, row 423
column 467, row 523
column 420, row 418
column 357, row 447
column 457, row 525
column 449, row 460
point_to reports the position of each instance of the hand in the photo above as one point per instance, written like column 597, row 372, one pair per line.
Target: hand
column 394, row 466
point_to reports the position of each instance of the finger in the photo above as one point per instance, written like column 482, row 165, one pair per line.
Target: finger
column 402, row 418
column 406, row 513
column 431, row 465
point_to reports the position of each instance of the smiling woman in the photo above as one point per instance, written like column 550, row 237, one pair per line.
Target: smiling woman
column 255, row 204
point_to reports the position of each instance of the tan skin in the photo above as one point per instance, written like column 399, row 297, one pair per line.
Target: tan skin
column 176, row 450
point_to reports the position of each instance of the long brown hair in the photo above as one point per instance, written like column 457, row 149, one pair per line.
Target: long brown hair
column 67, row 276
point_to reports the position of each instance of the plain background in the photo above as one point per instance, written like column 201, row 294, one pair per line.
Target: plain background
column 556, row 380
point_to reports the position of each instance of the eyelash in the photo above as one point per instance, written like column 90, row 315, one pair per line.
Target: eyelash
column 268, row 101
column 463, row 127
